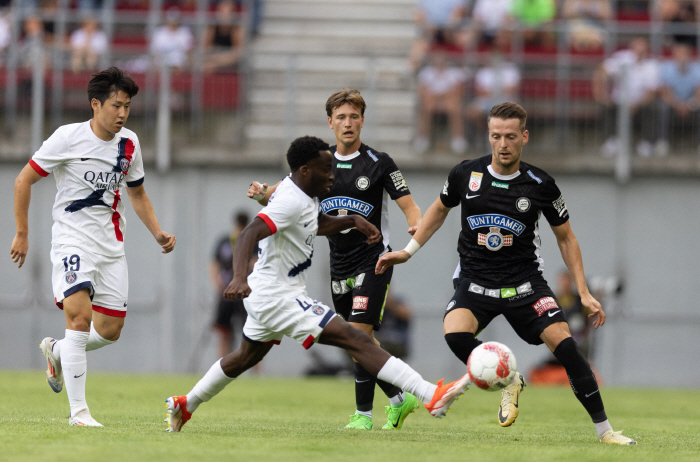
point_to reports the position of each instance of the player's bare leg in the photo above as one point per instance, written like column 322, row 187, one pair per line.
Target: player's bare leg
column 179, row 409
column 558, row 339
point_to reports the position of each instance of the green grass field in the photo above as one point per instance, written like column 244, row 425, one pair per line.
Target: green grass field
column 275, row 419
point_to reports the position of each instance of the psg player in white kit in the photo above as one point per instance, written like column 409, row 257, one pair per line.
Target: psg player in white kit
column 91, row 161
column 275, row 293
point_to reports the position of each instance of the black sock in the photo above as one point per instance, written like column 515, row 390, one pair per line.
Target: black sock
column 389, row 390
column 364, row 388
column 581, row 378
column 462, row 344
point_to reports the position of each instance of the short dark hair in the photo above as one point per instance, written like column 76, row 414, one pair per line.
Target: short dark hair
column 304, row 149
column 345, row 96
column 509, row 110
column 108, row 82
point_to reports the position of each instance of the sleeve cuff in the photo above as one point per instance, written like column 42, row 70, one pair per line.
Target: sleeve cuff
column 270, row 224
column 38, row 169
column 135, row 183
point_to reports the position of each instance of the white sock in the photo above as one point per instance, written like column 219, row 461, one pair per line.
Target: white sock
column 398, row 373
column 74, row 364
column 208, row 386
column 56, row 350
column 364, row 413
column 602, row 427
column 95, row 340
column 396, row 400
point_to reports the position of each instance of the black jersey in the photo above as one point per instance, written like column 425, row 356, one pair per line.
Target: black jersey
column 500, row 240
column 362, row 186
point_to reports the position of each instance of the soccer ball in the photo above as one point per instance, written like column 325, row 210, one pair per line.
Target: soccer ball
column 491, row 366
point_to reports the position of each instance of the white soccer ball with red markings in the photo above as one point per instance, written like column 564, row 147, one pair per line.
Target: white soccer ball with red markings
column 491, row 366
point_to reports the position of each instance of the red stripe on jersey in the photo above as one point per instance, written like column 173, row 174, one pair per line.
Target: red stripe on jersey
column 109, row 312
column 272, row 342
column 129, row 150
column 270, row 224
column 115, row 218
column 58, row 304
column 38, row 169
column 308, row 342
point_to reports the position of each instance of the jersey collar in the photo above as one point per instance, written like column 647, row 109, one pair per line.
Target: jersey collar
column 503, row 177
column 348, row 157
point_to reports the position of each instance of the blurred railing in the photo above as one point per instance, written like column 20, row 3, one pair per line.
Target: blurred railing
column 39, row 91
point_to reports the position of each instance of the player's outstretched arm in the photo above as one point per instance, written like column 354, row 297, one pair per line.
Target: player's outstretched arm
column 328, row 225
column 144, row 209
column 23, row 193
column 245, row 245
column 432, row 221
column 413, row 213
column 571, row 254
column 261, row 192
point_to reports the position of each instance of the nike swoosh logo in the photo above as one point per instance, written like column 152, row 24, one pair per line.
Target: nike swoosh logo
column 84, row 158
column 361, row 381
column 307, row 224
column 591, row 394
column 77, row 376
column 472, row 197
column 124, row 304
column 550, row 314
column 355, row 313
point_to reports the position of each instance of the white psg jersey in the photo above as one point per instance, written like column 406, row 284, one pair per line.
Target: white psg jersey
column 90, row 173
column 285, row 255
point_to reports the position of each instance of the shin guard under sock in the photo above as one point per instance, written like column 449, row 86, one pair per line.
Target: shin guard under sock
column 581, row 378
column 462, row 344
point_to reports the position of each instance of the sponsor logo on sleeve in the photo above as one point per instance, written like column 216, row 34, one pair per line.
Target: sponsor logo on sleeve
column 560, row 206
column 532, row 175
column 544, row 304
column 360, row 303
column 71, row 277
column 444, row 188
column 450, row 305
column 522, row 204
column 362, row 183
column 475, row 181
column 399, row 182
column 371, row 154
column 317, row 310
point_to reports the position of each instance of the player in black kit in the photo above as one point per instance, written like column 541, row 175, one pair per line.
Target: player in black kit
column 500, row 269
column 364, row 180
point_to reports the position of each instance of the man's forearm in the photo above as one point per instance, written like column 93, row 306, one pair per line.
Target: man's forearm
column 23, row 194
column 571, row 254
column 432, row 221
column 144, row 210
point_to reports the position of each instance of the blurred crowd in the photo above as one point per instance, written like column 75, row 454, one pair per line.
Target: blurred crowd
column 172, row 43
column 660, row 89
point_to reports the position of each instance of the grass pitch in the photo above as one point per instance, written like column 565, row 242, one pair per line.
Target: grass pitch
column 261, row 419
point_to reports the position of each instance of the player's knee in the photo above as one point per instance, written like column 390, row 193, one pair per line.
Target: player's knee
column 462, row 344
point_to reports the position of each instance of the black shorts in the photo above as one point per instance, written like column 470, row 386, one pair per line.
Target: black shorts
column 529, row 306
column 229, row 313
column 361, row 298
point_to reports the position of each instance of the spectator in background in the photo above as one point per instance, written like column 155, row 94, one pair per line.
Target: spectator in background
column 225, row 40
column 680, row 94
column 532, row 15
column 441, row 90
column 440, row 23
column 587, row 23
column 494, row 83
column 640, row 74
column 395, row 335
column 230, row 314
column 679, row 12
column 172, row 42
column 489, row 20
column 87, row 44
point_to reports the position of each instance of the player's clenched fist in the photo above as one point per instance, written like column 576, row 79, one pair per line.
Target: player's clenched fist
column 166, row 241
column 237, row 288
column 18, row 251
